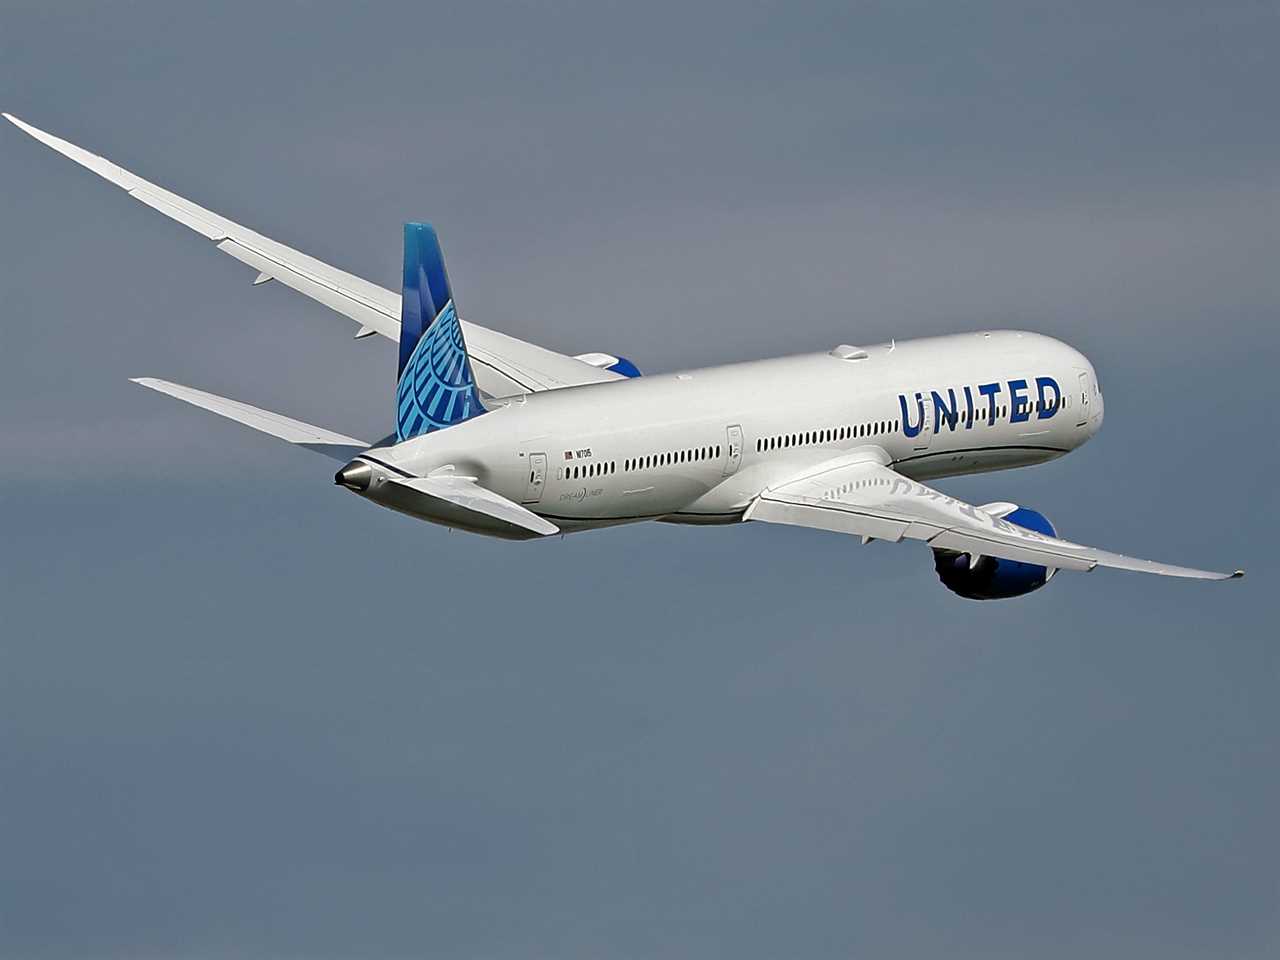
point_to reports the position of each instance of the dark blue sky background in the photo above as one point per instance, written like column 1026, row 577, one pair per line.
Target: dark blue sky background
column 245, row 714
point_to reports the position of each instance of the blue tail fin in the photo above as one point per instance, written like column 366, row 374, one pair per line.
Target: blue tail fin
column 436, row 388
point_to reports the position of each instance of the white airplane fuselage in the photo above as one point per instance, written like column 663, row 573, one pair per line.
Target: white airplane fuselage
column 840, row 441
column 698, row 446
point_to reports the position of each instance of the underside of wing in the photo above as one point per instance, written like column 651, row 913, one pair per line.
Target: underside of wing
column 504, row 365
column 859, row 495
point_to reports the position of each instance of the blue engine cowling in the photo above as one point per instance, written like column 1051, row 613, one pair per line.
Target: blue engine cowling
column 994, row 579
column 607, row 361
column 625, row 367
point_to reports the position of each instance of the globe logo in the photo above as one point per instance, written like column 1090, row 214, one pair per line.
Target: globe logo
column 436, row 388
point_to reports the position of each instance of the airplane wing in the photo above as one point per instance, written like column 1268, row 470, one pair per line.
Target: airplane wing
column 856, row 494
column 503, row 365
column 285, row 428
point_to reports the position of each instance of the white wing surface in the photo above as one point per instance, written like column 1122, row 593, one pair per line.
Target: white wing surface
column 503, row 365
column 858, row 495
column 331, row 444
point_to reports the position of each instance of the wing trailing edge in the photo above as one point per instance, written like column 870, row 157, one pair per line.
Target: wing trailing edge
column 860, row 496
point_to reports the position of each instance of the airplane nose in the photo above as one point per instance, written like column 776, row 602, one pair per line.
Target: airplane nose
column 355, row 476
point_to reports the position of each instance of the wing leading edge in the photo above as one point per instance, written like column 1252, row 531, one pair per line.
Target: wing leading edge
column 859, row 495
column 504, row 365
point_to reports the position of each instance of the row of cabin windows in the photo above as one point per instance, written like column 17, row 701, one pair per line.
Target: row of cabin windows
column 1002, row 412
column 875, row 428
column 581, row 471
column 696, row 455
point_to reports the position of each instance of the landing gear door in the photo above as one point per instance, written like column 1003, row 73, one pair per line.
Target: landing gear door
column 537, row 477
column 733, row 449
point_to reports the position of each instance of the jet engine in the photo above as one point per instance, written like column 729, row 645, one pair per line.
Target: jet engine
column 990, row 578
column 607, row 361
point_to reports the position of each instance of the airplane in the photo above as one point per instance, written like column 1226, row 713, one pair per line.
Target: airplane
column 498, row 436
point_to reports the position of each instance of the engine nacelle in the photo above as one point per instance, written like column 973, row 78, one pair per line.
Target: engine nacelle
column 991, row 578
column 607, row 361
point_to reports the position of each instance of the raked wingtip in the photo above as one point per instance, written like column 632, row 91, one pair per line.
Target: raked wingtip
column 22, row 125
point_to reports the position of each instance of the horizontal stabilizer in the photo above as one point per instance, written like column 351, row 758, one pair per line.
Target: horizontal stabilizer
column 331, row 444
column 467, row 495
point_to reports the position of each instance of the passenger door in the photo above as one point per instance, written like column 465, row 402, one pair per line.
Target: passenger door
column 1082, row 412
column 926, row 425
column 733, row 450
column 537, row 477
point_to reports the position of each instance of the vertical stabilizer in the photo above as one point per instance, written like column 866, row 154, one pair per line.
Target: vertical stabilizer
column 436, row 388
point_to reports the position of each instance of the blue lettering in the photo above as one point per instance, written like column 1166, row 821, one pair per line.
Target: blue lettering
column 907, row 429
column 1018, row 406
column 944, row 413
column 1048, row 407
column 968, row 405
column 990, row 391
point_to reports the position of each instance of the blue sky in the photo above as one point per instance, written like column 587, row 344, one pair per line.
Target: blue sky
column 244, row 714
